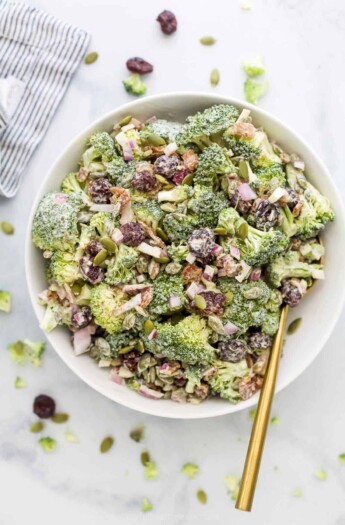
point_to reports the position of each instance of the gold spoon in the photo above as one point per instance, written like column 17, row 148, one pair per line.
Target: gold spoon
column 257, row 438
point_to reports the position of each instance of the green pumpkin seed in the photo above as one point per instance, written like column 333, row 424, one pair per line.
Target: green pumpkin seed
column 207, row 40
column 155, row 140
column 36, row 427
column 60, row 417
column 214, row 77
column 161, row 233
column 76, row 288
column 228, row 297
column 147, row 153
column 108, row 244
column 145, row 457
column 200, row 302
column 140, row 347
column 243, row 169
column 100, row 257
column 188, row 179
column 91, row 57
column 220, row 231
column 294, row 325
column 125, row 349
column 162, row 260
column 7, row 227
column 148, row 326
column 125, row 121
column 243, row 230
column 202, row 496
column 137, row 433
column 106, row 444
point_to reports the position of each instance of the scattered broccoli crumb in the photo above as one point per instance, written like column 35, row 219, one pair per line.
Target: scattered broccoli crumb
column 137, row 433
column 151, row 470
column 245, row 6
column 276, row 468
column 252, row 413
column 233, row 485
column 36, row 427
column 20, row 383
column 254, row 67
column 22, row 351
column 147, row 505
column 106, row 444
column 91, row 57
column 5, row 301
column 70, row 437
column 275, row 420
column 145, row 457
column 297, row 493
column 190, row 470
column 48, row 444
column 202, row 496
column 60, row 417
column 341, row 458
column 321, row 474
column 254, row 90
column 7, row 227
column 134, row 85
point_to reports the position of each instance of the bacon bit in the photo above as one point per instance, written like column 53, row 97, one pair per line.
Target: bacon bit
column 260, row 365
column 297, row 209
column 190, row 159
column 247, row 387
column 243, row 129
column 153, row 268
column 146, row 296
column 121, row 195
column 228, row 264
column 191, row 272
column 51, row 295
column 150, row 233
column 202, row 391
column 82, row 174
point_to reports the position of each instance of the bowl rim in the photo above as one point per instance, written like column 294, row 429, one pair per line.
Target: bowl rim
column 224, row 408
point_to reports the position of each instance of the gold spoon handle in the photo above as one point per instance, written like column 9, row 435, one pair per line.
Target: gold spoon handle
column 257, row 439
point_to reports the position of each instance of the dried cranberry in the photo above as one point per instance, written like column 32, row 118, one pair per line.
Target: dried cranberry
column 133, row 233
column 266, row 215
column 180, row 381
column 291, row 293
column 99, row 190
column 139, row 65
column 260, row 341
column 168, row 22
column 179, row 175
column 44, row 406
column 92, row 274
column 130, row 360
column 167, row 165
column 293, row 198
column 214, row 302
column 232, row 350
column 201, row 243
column 93, row 248
column 81, row 316
column 243, row 207
column 144, row 179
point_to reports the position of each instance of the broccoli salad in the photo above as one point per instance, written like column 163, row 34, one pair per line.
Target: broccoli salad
column 171, row 250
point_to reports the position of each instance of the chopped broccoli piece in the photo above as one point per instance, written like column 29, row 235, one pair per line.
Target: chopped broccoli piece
column 271, row 323
column 288, row 221
column 266, row 179
column 289, row 265
column 243, row 148
column 55, row 222
column 101, row 149
column 254, row 90
column 151, row 470
column 134, row 85
column 260, row 247
column 64, row 268
column 267, row 155
column 178, row 226
column 146, row 505
column 70, row 184
column 22, row 351
column 164, row 287
column 321, row 474
column 178, row 194
column 120, row 271
column 213, row 162
column 203, row 127
column 104, row 223
column 224, row 382
column 178, row 252
column 206, row 205
column 232, row 222
column 233, row 486
column 148, row 212
column 163, row 128
column 254, row 67
column 48, row 444
column 55, row 315
column 104, row 300
column 190, row 470
column 5, row 301
column 20, row 383
column 120, row 172
column 119, row 340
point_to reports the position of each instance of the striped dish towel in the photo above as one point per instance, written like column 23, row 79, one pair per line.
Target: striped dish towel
column 38, row 57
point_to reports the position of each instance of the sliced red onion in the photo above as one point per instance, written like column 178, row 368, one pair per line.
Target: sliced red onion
column 192, row 290
column 129, row 305
column 81, row 341
column 174, row 301
column 255, row 275
column 235, row 252
column 61, row 293
column 222, row 272
column 246, row 192
column 127, row 154
column 127, row 214
column 141, row 278
column 150, row 393
column 117, row 236
column 152, row 335
column 134, row 288
column 151, row 119
column 122, row 139
column 277, row 195
column 60, row 198
column 43, row 296
column 114, row 376
column 108, row 208
column 170, row 148
column 299, row 164
column 217, row 249
column 132, row 143
column 136, row 123
column 153, row 251
column 190, row 258
column 230, row 328
column 141, row 311
column 127, row 127
column 244, row 273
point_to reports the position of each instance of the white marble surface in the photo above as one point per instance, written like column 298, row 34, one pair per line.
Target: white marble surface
column 303, row 43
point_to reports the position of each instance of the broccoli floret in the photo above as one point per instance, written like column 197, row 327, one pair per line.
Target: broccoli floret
column 148, row 212
column 163, row 128
column 271, row 323
column 288, row 221
column 254, row 67
column 233, row 223
column 242, row 148
column 289, row 265
column 120, row 271
column 260, row 247
column 70, row 184
column 5, row 301
column 120, row 172
column 312, row 250
column 22, row 351
column 213, row 161
column 101, row 149
column 55, row 222
column 178, row 226
column 64, row 268
column 203, row 127
column 164, row 287
column 178, row 252
column 267, row 179
column 187, row 341
column 224, row 382
column 56, row 314
column 178, row 194
column 104, row 300
column 134, row 85
column 104, row 223
column 206, row 206
column 119, row 340
column 254, row 90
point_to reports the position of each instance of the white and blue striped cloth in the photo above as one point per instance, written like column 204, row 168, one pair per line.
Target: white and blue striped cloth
column 38, row 57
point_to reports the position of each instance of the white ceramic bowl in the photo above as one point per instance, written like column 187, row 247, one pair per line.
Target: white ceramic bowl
column 319, row 310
